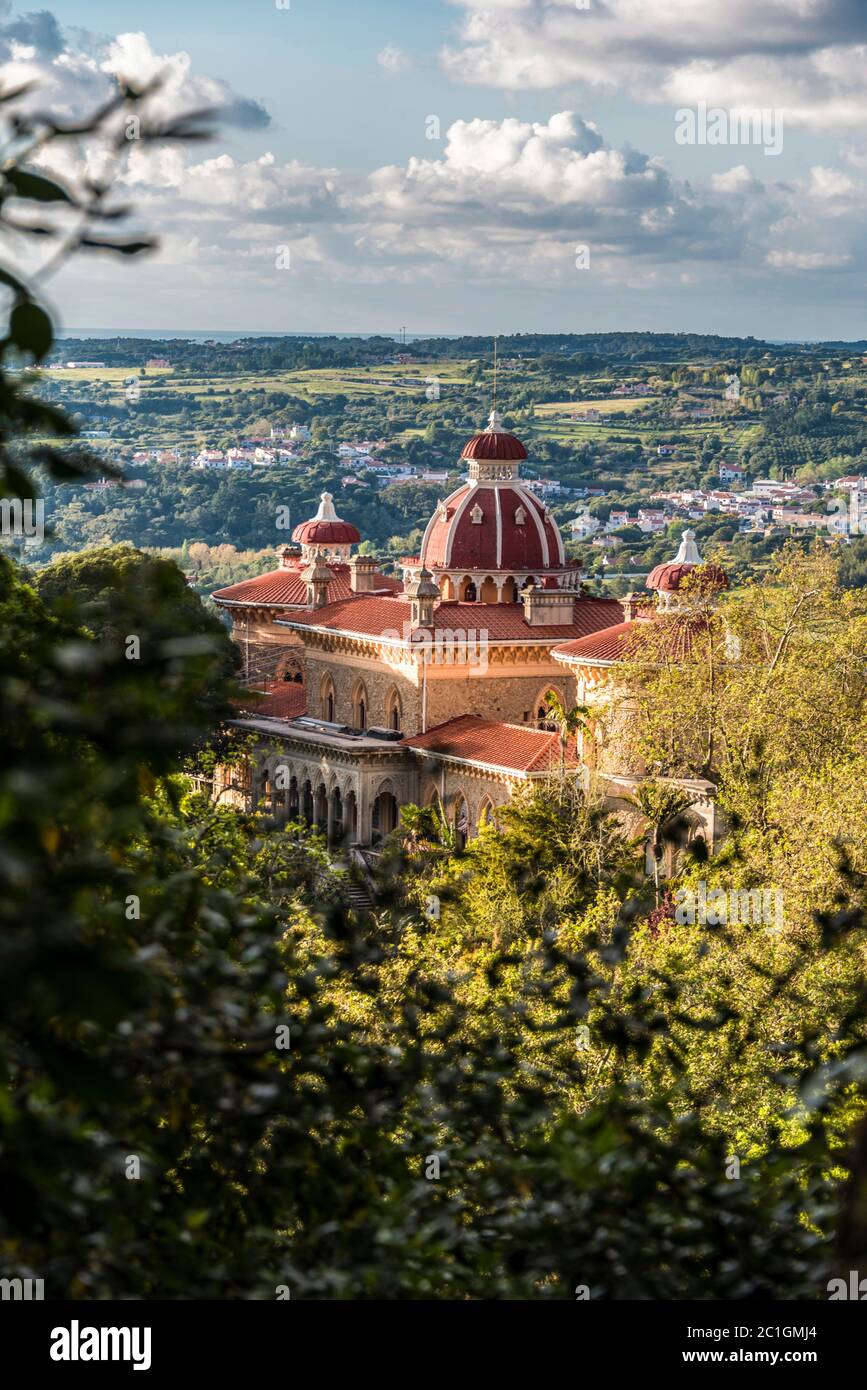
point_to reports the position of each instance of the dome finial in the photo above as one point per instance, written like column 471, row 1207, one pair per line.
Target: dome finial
column 688, row 551
column 326, row 510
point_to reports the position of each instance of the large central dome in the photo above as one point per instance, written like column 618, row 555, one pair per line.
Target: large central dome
column 493, row 534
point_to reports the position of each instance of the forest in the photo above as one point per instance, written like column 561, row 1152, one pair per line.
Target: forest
column 227, row 1075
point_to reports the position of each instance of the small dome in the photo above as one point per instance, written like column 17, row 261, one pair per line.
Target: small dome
column 494, row 443
column 494, row 446
column 326, row 527
column 668, row 577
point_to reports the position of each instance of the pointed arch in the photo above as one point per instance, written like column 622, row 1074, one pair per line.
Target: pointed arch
column 393, row 710
column 540, row 714
column 360, row 705
column 461, row 820
column 327, row 698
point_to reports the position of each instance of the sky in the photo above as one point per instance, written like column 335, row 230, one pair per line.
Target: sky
column 479, row 166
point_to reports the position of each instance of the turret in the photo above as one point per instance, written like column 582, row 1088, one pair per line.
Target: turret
column 423, row 594
column 317, row 576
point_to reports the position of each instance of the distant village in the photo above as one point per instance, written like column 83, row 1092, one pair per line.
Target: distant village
column 765, row 506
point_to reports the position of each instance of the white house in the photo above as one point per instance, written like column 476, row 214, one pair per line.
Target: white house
column 584, row 525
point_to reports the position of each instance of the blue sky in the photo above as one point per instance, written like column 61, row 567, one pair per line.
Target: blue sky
column 324, row 205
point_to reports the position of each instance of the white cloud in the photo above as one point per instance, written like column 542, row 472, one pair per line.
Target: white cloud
column 807, row 58
column 79, row 76
column 826, row 184
column 503, row 203
column 393, row 59
column 807, row 260
column 736, row 181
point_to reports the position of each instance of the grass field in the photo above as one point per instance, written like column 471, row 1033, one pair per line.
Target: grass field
column 618, row 406
column 401, row 380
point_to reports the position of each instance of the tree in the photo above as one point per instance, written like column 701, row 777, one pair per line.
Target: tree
column 662, row 806
column 179, row 658
column 569, row 722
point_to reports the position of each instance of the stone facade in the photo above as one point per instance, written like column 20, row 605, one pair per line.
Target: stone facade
column 268, row 652
column 353, row 677
column 499, row 682
column 352, row 787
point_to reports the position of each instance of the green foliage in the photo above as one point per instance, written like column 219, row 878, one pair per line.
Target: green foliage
column 177, row 658
column 216, row 1078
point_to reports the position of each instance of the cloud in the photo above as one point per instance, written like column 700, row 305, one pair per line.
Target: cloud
column 39, row 31
column 393, row 59
column 807, row 260
column 503, row 202
column 807, row 58
column 500, row 206
column 73, row 70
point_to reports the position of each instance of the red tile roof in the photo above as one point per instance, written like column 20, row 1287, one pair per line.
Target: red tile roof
column 670, row 575
column 515, row 531
column 324, row 532
column 511, row 746
column 284, row 588
column 493, row 444
column 288, row 701
column 670, row 637
column 373, row 615
column 611, row 644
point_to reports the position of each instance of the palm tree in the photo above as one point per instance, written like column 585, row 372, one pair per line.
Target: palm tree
column 426, row 828
column 660, row 804
column 568, row 721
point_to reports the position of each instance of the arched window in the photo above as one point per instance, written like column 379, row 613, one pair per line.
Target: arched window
column 393, row 712
column 359, row 705
column 541, row 712
column 487, row 815
column 328, row 699
column 461, row 823
column 543, row 720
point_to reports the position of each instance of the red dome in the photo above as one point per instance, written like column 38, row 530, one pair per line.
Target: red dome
column 494, row 444
column 668, row 577
column 326, row 527
column 326, row 533
column 496, row 527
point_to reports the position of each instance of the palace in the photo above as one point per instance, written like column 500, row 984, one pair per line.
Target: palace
column 390, row 693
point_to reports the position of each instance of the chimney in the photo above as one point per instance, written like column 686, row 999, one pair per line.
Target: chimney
column 317, row 577
column 548, row 607
column 288, row 555
column 362, row 573
column 422, row 593
column 633, row 605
